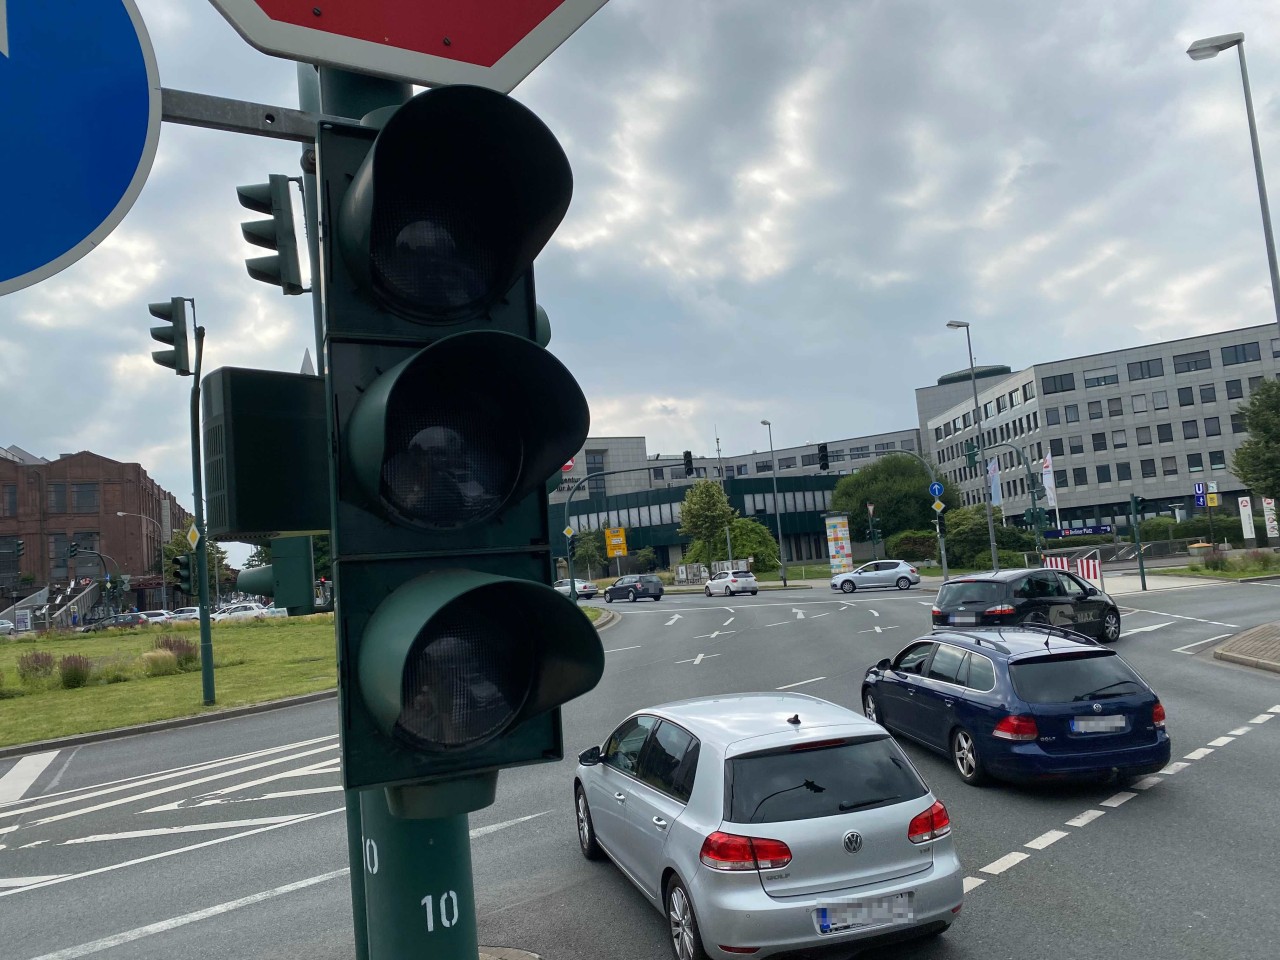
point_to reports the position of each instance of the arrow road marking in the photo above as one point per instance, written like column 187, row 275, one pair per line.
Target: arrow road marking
column 799, row 613
column 729, row 621
column 715, row 633
column 23, row 773
column 1199, row 643
column 673, row 620
column 872, row 612
column 699, row 658
column 1148, row 629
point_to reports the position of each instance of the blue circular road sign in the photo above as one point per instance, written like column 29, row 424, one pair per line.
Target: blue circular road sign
column 80, row 96
column 935, row 489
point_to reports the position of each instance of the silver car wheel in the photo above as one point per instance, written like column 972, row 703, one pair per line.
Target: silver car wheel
column 847, row 586
column 584, row 825
column 680, row 913
column 904, row 583
column 964, row 753
column 1111, row 627
column 728, row 591
column 869, row 706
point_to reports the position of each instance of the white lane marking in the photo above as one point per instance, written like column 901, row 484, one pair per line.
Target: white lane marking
column 781, row 624
column 925, row 603
column 186, row 828
column 997, row 867
column 878, row 629
column 36, row 843
column 1275, row 709
column 23, row 774
column 1177, row 616
column 673, row 620
column 971, row 882
column 163, row 926
column 729, row 621
column 1199, row 643
column 1147, row 629
column 1174, row 767
column 1239, row 731
column 799, row 613
column 1198, row 754
column 278, row 795
column 872, row 612
column 730, row 609
column 1085, row 818
column 314, row 769
column 1261, row 718
column 6, row 882
column 699, row 658
column 1116, row 799
column 620, row 649
column 817, row 615
column 799, row 683
column 1146, row 783
column 1221, row 741
column 495, row 827
column 1042, row 841
column 715, row 633
column 177, row 851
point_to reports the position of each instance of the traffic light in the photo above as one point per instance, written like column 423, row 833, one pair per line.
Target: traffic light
column 178, row 358
column 971, row 453
column 941, row 524
column 182, row 570
column 73, row 549
column 1137, row 505
column 21, row 548
column 688, row 463
column 276, row 198
column 824, row 462
column 448, row 417
column 573, row 543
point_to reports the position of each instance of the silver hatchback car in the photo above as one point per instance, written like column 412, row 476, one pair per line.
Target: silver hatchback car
column 762, row 823
column 877, row 573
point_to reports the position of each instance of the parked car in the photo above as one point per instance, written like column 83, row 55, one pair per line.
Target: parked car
column 877, row 573
column 633, row 587
column 727, row 583
column 158, row 616
column 1028, row 596
column 1032, row 702
column 187, row 613
column 119, row 620
column 7, row 628
column 763, row 823
column 247, row 611
column 586, row 589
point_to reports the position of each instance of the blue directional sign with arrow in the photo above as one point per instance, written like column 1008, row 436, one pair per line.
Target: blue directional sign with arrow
column 935, row 489
column 80, row 102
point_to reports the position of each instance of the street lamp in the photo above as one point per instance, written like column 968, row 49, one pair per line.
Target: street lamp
column 164, row 593
column 982, row 446
column 777, row 504
column 1207, row 49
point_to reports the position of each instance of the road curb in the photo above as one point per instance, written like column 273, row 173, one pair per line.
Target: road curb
column 606, row 619
column 118, row 733
column 1244, row 661
column 507, row 953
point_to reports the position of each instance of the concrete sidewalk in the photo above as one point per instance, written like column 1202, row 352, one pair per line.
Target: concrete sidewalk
column 1256, row 647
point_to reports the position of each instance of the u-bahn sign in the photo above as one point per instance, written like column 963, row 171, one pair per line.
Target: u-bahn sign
column 494, row 44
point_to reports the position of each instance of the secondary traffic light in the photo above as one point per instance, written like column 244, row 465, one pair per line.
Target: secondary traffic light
column 275, row 198
column 182, row 569
column 1137, row 505
column 21, row 547
column 178, row 357
column 688, row 463
column 73, row 549
column 971, row 453
column 448, row 417
column 941, row 524
column 824, row 462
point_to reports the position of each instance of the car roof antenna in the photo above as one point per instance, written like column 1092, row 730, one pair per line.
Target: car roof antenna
column 794, row 719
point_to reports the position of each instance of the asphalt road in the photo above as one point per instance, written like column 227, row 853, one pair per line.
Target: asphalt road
column 227, row 839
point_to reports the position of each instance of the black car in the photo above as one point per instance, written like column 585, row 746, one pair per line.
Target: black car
column 119, row 620
column 634, row 587
column 1027, row 596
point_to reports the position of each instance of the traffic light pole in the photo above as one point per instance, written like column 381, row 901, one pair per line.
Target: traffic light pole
column 1137, row 538
column 202, row 551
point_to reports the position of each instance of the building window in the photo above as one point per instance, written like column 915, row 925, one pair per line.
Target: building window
column 1123, row 471
column 908, row 444
column 1195, row 463
column 1101, row 377
column 1144, row 436
column 1139, row 402
column 1029, row 391
column 1055, row 447
column 1240, row 353
column 9, row 500
column 1208, row 393
column 56, row 498
column 1190, row 430
column 1115, row 407
column 84, row 498
column 1160, row 400
column 1104, row 473
column 1001, row 405
column 1145, row 369
column 1253, row 383
column 1060, row 479
column 1095, row 409
column 787, row 463
column 1169, row 465
column 1051, row 417
column 1187, row 362
column 1275, row 347
column 1099, row 442
column 1072, row 412
column 1075, row 444
column 1164, row 432
column 595, row 464
column 1234, row 390
column 764, row 466
column 891, row 445
column 1186, row 396
column 1237, row 423
column 1080, row 476
column 1062, row 383
column 1148, row 469
column 1217, row 460
column 1212, row 426
column 659, row 473
column 809, row 460
column 742, row 469
column 1119, row 439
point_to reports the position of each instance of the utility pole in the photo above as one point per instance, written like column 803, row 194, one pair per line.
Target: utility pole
column 728, row 539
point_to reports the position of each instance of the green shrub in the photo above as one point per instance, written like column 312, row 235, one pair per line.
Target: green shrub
column 912, row 545
column 184, row 651
column 1010, row 559
column 159, row 663
column 1260, row 559
column 113, row 670
column 74, row 670
column 1215, row 560
column 35, row 665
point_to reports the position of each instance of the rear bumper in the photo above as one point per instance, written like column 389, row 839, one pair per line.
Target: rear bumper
column 1028, row 762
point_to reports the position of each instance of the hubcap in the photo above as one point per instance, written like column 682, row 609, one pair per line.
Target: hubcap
column 681, row 917
column 869, row 708
column 965, row 761
column 584, row 824
column 1112, row 626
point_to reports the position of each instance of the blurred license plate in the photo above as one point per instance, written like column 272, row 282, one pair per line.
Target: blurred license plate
column 1097, row 724
column 964, row 618
column 864, row 913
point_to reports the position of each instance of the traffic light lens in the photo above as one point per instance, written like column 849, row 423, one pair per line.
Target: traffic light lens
column 464, row 681
column 433, row 260
column 447, row 466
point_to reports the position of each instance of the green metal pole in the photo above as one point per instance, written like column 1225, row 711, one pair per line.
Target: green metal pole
column 202, row 552
column 1137, row 538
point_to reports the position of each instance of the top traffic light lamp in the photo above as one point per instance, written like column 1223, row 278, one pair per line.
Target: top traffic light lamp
column 178, row 358
column 276, row 198
column 448, row 418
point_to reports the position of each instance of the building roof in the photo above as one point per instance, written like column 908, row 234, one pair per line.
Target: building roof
column 979, row 373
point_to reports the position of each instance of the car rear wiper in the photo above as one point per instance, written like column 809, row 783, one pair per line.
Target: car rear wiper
column 847, row 805
column 1097, row 694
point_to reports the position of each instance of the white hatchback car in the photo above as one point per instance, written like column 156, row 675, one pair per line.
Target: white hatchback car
column 765, row 823
column 728, row 582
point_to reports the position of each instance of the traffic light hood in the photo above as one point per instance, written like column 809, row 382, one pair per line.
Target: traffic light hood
column 454, row 659
column 461, row 190
column 426, row 447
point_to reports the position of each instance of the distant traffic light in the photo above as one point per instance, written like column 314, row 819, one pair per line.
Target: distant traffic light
column 941, row 524
column 971, row 453
column 688, row 463
column 73, row 549
column 1137, row 505
column 182, row 572
column 276, row 199
column 178, row 358
column 824, row 462
column 21, row 547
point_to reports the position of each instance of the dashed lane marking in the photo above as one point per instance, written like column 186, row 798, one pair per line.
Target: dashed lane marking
column 1221, row 741
column 1174, row 767
column 1239, row 731
column 1042, row 841
column 729, row 621
column 997, row 867
column 620, row 649
column 495, row 827
column 1261, row 718
column 1199, row 753
column 1116, row 799
column 971, row 882
column 799, row 683
column 1146, row 783
column 1085, row 818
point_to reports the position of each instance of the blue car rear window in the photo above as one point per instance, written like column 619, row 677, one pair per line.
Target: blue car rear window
column 1097, row 675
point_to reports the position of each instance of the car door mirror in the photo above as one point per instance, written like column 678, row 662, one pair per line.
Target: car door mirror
column 589, row 757
column 1091, row 591
column 885, row 664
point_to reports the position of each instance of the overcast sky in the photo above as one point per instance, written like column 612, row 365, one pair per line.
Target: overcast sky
column 777, row 208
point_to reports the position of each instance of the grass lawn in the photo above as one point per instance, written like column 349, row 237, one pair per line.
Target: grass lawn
column 1231, row 573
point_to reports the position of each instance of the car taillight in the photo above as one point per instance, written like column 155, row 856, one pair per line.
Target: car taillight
column 1016, row 728
column 1157, row 715
column 933, row 824
column 912, row 569
column 733, row 579
column 728, row 851
column 937, row 612
column 1000, row 608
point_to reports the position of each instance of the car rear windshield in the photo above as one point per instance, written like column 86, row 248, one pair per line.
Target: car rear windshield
column 802, row 783
column 969, row 591
column 1096, row 675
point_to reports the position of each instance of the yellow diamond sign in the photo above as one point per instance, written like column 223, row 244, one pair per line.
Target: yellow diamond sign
column 193, row 536
column 939, row 506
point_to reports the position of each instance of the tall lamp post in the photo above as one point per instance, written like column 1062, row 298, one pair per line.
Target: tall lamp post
column 164, row 593
column 982, row 446
column 777, row 504
column 1207, row 49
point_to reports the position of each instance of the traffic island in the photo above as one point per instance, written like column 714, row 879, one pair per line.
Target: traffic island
column 1256, row 647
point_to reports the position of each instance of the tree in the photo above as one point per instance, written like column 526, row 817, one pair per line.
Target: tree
column 1257, row 461
column 645, row 559
column 751, row 538
column 588, row 551
column 968, row 543
column 705, row 514
column 261, row 557
column 899, row 488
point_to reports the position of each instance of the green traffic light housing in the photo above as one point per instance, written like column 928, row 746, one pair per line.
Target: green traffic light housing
column 73, row 549
column 971, row 452
column 275, row 198
column 824, row 460
column 178, row 357
column 182, row 573
column 20, row 548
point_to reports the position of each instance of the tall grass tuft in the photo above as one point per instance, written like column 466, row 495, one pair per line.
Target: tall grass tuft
column 74, row 670
column 159, row 663
column 184, row 651
column 35, row 666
